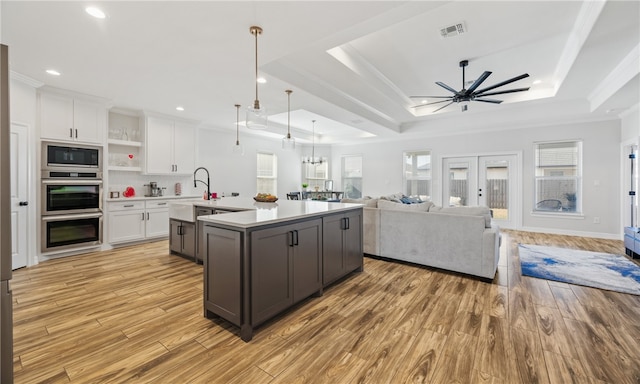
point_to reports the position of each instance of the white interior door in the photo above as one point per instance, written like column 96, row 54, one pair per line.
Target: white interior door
column 483, row 180
column 19, row 195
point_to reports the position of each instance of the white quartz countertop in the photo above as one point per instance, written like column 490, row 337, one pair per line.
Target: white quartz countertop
column 253, row 214
column 166, row 197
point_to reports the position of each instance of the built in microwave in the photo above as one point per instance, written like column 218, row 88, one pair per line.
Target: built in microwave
column 63, row 156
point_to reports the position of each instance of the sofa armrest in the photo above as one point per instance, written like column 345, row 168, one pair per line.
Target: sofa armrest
column 371, row 230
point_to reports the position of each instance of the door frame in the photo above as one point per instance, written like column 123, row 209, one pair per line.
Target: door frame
column 515, row 179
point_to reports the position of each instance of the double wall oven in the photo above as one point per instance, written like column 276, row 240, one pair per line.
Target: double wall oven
column 71, row 192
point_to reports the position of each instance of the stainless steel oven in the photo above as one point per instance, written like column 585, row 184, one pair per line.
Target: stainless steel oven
column 70, row 196
column 71, row 231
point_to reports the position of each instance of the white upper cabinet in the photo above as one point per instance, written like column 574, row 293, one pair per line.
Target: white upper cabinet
column 64, row 117
column 169, row 146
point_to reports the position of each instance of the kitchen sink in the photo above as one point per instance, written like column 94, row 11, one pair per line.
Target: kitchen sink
column 182, row 211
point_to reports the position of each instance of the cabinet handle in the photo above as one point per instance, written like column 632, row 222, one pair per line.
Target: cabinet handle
column 180, row 230
column 76, row 133
column 291, row 239
column 162, row 203
column 295, row 232
column 128, row 206
column 71, row 132
column 142, row 216
column 348, row 223
column 147, row 215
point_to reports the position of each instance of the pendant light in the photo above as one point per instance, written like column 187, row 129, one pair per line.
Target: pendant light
column 288, row 142
column 237, row 148
column 256, row 115
column 313, row 160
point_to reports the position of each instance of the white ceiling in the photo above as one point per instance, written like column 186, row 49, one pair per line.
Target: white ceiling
column 351, row 65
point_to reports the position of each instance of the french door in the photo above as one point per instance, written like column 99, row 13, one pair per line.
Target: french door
column 483, row 180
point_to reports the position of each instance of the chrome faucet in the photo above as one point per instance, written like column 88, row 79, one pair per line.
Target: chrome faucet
column 195, row 181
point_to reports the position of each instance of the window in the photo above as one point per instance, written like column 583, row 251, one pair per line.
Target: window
column 315, row 174
column 267, row 173
column 417, row 174
column 558, row 176
column 352, row 176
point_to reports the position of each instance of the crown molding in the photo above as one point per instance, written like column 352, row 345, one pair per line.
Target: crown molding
column 25, row 79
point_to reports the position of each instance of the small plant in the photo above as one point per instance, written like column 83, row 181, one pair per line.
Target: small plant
column 571, row 197
column 305, row 185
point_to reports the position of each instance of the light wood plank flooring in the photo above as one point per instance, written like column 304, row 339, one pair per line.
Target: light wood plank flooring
column 134, row 315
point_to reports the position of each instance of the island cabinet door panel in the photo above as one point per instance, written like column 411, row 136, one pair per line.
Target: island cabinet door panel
column 271, row 272
column 341, row 245
column 353, row 241
column 307, row 259
column 175, row 236
column 332, row 258
column 189, row 239
column 222, row 272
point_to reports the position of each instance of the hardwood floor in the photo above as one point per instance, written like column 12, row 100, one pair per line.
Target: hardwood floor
column 135, row 315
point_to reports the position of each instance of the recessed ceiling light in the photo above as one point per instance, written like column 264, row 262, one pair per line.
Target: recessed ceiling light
column 180, row 108
column 424, row 101
column 53, row 72
column 261, row 80
column 537, row 82
column 95, row 12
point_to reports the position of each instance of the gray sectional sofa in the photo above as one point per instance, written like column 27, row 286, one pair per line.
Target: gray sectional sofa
column 460, row 239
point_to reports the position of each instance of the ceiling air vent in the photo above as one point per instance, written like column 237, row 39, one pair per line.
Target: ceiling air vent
column 453, row 30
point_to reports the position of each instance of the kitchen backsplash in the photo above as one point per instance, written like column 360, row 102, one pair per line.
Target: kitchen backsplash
column 120, row 180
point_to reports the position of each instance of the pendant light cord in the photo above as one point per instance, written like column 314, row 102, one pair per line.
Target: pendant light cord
column 237, row 124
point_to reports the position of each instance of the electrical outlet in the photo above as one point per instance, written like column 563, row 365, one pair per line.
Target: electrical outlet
column 596, row 220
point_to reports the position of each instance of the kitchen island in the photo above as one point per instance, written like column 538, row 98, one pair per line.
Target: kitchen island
column 259, row 262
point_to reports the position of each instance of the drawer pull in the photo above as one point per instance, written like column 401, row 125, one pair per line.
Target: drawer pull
column 128, row 205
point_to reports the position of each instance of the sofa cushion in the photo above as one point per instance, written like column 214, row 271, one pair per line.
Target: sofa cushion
column 422, row 207
column 366, row 201
column 469, row 211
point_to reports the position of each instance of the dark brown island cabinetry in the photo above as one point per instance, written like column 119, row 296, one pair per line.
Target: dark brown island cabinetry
column 252, row 274
column 182, row 238
column 342, row 245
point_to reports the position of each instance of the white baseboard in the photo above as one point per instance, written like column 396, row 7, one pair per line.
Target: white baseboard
column 555, row 231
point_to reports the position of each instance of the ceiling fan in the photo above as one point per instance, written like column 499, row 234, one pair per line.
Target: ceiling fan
column 472, row 94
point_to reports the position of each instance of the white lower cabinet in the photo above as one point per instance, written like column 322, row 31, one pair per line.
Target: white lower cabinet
column 157, row 215
column 137, row 220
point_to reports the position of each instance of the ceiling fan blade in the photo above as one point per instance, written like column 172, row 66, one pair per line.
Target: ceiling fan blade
column 445, row 86
column 435, row 102
column 492, row 101
column 478, row 81
column 503, row 83
column 502, row 92
column 442, row 107
column 429, row 97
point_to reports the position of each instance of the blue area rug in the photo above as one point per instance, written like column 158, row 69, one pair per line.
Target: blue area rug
column 592, row 269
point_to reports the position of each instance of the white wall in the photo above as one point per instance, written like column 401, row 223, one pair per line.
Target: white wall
column 382, row 169
column 631, row 124
column 233, row 173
